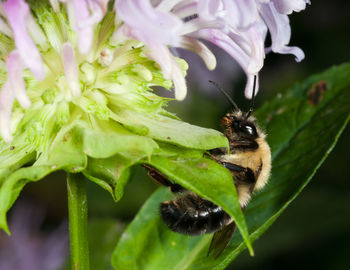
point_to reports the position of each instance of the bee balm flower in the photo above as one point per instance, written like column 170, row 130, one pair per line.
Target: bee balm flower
column 45, row 48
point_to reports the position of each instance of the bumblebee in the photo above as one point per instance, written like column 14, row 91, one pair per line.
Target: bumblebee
column 249, row 161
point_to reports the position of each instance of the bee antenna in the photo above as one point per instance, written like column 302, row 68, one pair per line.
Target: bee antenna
column 226, row 95
column 253, row 99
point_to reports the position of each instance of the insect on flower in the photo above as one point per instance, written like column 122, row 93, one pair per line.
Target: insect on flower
column 249, row 162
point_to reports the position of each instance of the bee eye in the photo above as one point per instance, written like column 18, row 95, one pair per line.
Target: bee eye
column 249, row 129
column 244, row 128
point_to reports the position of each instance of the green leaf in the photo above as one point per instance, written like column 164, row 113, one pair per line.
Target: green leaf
column 14, row 156
column 111, row 139
column 144, row 245
column 301, row 133
column 111, row 172
column 70, row 151
column 166, row 129
column 112, row 150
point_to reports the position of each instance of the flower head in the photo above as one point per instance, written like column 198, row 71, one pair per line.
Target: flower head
column 46, row 47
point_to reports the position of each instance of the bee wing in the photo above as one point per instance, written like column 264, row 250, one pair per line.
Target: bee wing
column 221, row 239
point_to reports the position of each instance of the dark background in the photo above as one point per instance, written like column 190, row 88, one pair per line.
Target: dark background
column 314, row 231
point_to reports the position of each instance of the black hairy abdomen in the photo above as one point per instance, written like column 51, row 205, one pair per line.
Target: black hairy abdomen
column 193, row 215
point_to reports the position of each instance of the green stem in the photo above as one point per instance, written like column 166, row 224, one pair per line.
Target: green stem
column 78, row 221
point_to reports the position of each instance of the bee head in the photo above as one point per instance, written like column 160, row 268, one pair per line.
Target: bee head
column 240, row 125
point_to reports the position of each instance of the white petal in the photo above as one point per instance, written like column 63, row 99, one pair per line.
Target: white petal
column 6, row 102
column 163, row 57
column 15, row 79
column 55, row 5
column 36, row 33
column 250, row 86
column 199, row 48
column 170, row 68
column 179, row 82
column 70, row 68
column 5, row 29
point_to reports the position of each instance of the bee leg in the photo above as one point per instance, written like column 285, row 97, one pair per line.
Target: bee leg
column 242, row 174
column 218, row 151
column 161, row 179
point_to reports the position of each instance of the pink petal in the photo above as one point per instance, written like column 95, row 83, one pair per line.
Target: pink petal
column 209, row 9
column 16, row 13
column 240, row 13
column 70, row 68
column 151, row 25
column 84, row 14
column 185, row 10
column 15, row 79
column 85, row 32
column 288, row 6
column 223, row 41
column 231, row 47
column 255, row 40
column 167, row 5
column 280, row 31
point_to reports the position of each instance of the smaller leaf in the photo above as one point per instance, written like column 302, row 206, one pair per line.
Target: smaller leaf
column 14, row 184
column 209, row 180
column 112, row 173
column 66, row 151
column 111, row 139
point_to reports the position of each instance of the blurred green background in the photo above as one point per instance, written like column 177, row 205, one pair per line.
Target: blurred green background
column 314, row 231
